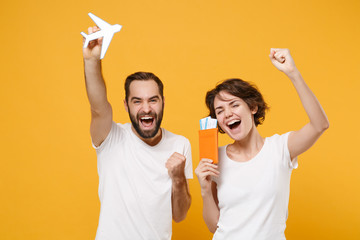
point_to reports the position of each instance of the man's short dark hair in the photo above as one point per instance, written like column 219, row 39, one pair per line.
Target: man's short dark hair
column 241, row 89
column 143, row 76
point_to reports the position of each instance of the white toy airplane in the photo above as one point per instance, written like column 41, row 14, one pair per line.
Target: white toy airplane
column 107, row 32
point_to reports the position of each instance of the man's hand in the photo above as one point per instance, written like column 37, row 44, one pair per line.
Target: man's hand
column 175, row 165
column 180, row 196
column 93, row 50
column 282, row 60
column 101, row 111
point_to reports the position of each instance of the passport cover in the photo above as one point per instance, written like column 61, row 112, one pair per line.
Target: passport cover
column 208, row 144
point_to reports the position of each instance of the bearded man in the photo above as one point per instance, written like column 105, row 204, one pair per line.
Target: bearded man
column 143, row 168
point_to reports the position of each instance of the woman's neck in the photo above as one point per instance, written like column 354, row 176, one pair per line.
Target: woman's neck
column 246, row 148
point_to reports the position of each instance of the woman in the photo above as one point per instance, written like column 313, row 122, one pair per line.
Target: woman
column 246, row 195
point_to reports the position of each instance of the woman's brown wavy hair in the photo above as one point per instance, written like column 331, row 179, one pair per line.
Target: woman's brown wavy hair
column 241, row 89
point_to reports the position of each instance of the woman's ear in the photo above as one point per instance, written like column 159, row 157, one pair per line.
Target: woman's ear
column 254, row 110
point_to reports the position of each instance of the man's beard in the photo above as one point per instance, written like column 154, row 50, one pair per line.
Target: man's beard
column 146, row 133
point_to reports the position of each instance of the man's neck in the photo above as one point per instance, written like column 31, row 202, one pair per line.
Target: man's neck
column 149, row 141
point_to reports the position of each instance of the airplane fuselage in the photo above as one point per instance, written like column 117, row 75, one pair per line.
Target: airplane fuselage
column 106, row 32
column 109, row 30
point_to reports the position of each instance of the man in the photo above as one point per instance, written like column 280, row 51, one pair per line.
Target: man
column 142, row 168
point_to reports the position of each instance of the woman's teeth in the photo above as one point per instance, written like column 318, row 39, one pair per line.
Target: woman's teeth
column 234, row 123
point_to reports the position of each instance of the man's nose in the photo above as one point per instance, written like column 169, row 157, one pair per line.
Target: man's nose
column 146, row 107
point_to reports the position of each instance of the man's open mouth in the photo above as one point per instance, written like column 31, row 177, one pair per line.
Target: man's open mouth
column 147, row 121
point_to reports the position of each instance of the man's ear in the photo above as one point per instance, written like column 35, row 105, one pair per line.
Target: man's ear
column 126, row 106
column 255, row 109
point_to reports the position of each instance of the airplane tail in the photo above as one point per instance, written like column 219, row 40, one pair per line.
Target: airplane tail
column 86, row 39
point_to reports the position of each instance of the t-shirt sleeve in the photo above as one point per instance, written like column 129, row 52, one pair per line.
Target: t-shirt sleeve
column 291, row 163
column 115, row 133
column 188, row 164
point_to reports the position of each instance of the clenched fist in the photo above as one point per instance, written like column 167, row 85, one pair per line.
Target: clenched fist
column 282, row 60
column 175, row 165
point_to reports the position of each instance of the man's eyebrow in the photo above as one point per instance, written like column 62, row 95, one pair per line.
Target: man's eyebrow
column 154, row 97
column 135, row 98
column 138, row 98
column 218, row 107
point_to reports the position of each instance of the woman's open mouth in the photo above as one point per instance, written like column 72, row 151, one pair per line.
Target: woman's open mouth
column 234, row 124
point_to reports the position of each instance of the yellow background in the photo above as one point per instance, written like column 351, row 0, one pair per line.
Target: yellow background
column 49, row 180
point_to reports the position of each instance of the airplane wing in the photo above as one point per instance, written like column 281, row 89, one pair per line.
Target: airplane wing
column 99, row 22
column 105, row 44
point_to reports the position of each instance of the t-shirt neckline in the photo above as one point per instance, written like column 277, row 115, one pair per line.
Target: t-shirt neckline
column 253, row 159
column 144, row 143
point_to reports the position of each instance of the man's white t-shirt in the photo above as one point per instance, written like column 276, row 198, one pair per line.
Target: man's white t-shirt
column 254, row 195
column 134, row 184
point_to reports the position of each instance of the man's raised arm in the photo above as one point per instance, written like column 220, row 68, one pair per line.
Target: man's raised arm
column 101, row 111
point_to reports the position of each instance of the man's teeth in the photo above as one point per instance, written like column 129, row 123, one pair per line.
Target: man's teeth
column 146, row 118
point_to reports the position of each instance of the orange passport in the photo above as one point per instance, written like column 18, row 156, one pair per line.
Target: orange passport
column 208, row 144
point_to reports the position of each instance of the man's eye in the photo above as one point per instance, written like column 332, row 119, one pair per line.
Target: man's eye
column 219, row 112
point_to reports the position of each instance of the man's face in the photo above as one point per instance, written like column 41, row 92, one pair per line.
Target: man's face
column 145, row 107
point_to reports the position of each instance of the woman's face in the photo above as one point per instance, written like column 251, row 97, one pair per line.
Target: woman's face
column 234, row 115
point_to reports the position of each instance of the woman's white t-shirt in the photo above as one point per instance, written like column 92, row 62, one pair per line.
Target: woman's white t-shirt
column 254, row 195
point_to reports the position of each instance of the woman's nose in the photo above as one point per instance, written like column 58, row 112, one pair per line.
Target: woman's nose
column 228, row 113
